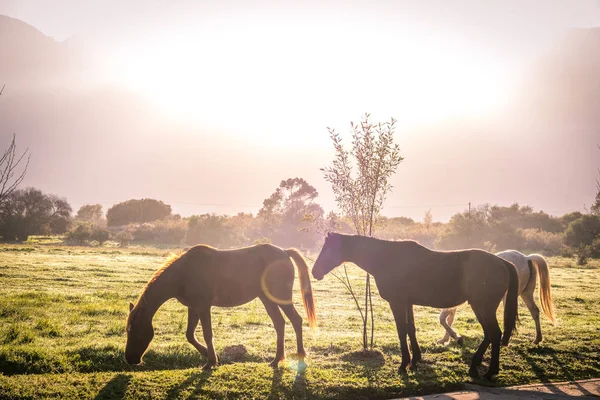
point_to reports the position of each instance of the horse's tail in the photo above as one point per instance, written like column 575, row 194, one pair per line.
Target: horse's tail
column 510, row 307
column 307, row 294
column 539, row 263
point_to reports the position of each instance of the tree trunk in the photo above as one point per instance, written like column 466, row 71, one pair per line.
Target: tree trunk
column 366, row 319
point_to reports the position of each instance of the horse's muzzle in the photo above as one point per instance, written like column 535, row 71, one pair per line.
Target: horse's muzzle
column 317, row 276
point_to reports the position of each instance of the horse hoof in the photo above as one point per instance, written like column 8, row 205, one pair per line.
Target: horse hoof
column 302, row 366
column 442, row 341
column 208, row 366
column 413, row 366
column 402, row 369
column 490, row 376
column 537, row 341
column 473, row 373
column 460, row 341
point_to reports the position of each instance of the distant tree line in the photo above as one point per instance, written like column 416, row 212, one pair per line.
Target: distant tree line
column 290, row 216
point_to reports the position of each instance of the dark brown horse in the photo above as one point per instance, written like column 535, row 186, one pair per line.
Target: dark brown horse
column 203, row 277
column 409, row 274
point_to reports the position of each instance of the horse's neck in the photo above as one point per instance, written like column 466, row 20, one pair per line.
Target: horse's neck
column 361, row 251
column 157, row 293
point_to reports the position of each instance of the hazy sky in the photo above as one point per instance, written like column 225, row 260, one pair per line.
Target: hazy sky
column 271, row 75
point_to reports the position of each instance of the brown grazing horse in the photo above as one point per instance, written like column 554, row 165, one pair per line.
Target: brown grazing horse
column 409, row 274
column 203, row 277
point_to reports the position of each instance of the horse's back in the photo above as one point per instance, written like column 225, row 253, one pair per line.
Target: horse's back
column 431, row 278
column 486, row 275
column 521, row 262
column 233, row 277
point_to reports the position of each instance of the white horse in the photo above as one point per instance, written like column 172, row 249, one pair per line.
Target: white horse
column 526, row 268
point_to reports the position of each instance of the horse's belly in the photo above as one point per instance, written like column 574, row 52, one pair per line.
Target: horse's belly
column 438, row 299
column 230, row 293
column 230, row 302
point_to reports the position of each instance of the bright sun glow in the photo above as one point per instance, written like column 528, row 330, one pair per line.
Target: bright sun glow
column 253, row 81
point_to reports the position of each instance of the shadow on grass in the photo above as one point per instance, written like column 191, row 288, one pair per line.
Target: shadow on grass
column 115, row 388
column 194, row 382
column 105, row 359
column 277, row 391
column 372, row 359
column 537, row 358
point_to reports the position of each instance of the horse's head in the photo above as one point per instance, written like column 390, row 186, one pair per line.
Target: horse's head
column 139, row 334
column 329, row 257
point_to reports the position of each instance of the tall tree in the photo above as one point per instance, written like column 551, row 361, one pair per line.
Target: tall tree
column 289, row 213
column 137, row 211
column 595, row 208
column 11, row 175
column 90, row 213
column 29, row 211
column 13, row 168
column 360, row 196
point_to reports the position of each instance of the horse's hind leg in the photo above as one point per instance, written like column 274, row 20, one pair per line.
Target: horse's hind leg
column 399, row 311
column 296, row 320
column 193, row 318
column 495, row 335
column 414, row 345
column 492, row 335
column 527, row 297
column 478, row 356
column 279, row 324
column 446, row 320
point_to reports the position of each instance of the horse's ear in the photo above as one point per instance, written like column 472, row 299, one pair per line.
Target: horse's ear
column 130, row 307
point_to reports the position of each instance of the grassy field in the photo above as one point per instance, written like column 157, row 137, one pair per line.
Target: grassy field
column 62, row 334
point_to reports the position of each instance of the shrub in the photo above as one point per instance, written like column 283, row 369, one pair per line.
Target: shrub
column 542, row 241
column 583, row 231
column 164, row 232
column 122, row 237
column 84, row 233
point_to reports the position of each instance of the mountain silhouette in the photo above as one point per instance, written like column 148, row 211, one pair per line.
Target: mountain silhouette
column 101, row 143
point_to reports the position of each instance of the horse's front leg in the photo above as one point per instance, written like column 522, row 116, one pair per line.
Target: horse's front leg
column 414, row 345
column 446, row 320
column 399, row 311
column 193, row 318
column 205, row 320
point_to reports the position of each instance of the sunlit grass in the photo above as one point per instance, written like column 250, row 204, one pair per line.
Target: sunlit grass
column 62, row 320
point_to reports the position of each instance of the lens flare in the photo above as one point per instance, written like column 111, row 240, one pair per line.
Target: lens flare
column 265, row 288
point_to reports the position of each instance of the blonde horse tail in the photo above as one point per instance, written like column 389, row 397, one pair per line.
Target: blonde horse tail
column 510, row 308
column 307, row 294
column 540, row 264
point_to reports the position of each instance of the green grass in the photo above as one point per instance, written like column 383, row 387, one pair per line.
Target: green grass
column 62, row 320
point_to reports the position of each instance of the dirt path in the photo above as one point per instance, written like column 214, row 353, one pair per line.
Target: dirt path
column 587, row 389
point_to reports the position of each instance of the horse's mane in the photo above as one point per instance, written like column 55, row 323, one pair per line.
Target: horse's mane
column 172, row 258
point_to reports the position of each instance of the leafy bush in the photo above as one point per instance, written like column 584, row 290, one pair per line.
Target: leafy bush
column 211, row 229
column 583, row 231
column 122, row 237
column 515, row 227
column 85, row 233
column 170, row 231
column 541, row 241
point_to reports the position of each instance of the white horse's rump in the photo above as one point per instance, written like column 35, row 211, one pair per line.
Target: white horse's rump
column 526, row 269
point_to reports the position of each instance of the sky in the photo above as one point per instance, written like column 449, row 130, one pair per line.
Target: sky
column 238, row 80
